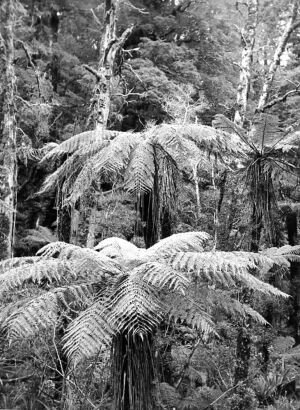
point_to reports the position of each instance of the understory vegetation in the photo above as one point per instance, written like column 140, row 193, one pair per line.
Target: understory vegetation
column 149, row 205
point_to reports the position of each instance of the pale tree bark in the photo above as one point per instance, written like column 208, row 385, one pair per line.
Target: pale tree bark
column 8, row 159
column 248, row 41
column 291, row 25
column 108, row 68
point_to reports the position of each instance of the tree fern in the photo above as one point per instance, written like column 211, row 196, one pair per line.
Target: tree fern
column 133, row 294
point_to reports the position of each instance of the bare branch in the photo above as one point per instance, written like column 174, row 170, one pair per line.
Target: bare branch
column 92, row 71
column 291, row 25
column 280, row 99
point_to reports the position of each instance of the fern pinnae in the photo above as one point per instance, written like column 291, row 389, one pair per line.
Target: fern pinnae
column 88, row 333
column 11, row 263
column 161, row 276
column 43, row 311
column 139, row 176
column 47, row 269
column 178, row 242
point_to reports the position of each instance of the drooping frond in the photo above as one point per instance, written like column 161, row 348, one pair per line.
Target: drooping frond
column 109, row 163
column 174, row 145
column 85, row 256
column 88, row 333
column 140, row 172
column 91, row 139
column 186, row 241
column 220, row 300
column 43, row 311
column 44, row 269
column 210, row 140
column 134, row 306
column 56, row 248
column 70, row 166
column 190, row 312
column 223, row 268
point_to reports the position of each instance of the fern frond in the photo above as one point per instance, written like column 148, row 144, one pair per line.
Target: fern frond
column 8, row 264
column 70, row 166
column 135, row 306
column 44, row 269
column 186, row 241
column 108, row 162
column 88, row 333
column 161, row 276
column 223, row 302
column 92, row 139
column 189, row 311
column 213, row 141
column 140, row 172
column 43, row 311
column 114, row 158
column 222, row 268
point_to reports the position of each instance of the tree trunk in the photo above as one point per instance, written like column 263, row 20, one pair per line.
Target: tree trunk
column 289, row 28
column 248, row 41
column 292, row 230
column 8, row 158
column 63, row 219
column 243, row 343
column 75, row 220
column 132, row 372
column 90, row 241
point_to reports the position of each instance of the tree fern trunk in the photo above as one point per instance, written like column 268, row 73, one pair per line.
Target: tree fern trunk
column 8, row 160
column 132, row 372
column 292, row 228
column 63, row 219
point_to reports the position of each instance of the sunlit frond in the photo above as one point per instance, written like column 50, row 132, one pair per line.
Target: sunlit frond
column 186, row 241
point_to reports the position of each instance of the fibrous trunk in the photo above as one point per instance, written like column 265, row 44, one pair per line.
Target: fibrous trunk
column 132, row 372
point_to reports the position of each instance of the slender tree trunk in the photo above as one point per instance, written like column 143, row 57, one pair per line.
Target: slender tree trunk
column 8, row 159
column 63, row 219
column 90, row 242
column 248, row 34
column 108, row 69
column 248, row 41
column 75, row 220
column 289, row 28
